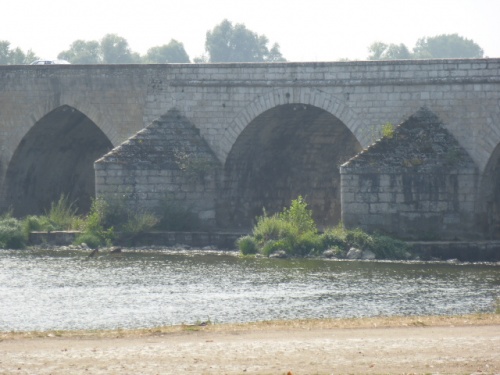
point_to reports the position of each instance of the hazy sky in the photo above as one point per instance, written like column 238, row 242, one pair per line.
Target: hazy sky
column 307, row 30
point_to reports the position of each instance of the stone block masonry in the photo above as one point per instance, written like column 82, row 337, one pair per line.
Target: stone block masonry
column 167, row 163
column 235, row 109
column 415, row 183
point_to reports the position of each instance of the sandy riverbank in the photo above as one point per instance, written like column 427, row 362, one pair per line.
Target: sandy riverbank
column 465, row 344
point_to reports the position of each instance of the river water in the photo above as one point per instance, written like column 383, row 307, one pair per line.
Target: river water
column 62, row 290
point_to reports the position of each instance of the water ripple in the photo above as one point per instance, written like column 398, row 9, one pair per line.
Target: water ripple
column 43, row 290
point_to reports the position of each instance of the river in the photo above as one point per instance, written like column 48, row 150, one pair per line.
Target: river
column 65, row 290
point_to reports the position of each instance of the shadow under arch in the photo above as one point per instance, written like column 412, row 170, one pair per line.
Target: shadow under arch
column 56, row 156
column 287, row 151
column 313, row 97
column 489, row 197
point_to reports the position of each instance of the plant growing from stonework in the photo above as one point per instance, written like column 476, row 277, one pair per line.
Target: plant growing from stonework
column 375, row 133
column 388, row 130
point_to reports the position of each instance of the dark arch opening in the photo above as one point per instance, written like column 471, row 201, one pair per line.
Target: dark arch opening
column 490, row 197
column 287, row 151
column 55, row 157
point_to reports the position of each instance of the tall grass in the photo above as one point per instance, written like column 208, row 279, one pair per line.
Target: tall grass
column 62, row 215
column 108, row 221
column 294, row 232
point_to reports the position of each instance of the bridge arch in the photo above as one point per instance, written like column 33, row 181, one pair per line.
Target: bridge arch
column 56, row 156
column 288, row 150
column 297, row 95
column 489, row 197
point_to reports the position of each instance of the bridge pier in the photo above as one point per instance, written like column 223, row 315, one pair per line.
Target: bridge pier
column 259, row 135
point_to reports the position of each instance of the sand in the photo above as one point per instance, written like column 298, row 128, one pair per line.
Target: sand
column 407, row 345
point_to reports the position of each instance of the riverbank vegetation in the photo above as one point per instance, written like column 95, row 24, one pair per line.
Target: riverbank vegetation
column 293, row 232
column 105, row 223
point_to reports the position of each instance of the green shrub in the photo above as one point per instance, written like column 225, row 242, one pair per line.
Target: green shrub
column 383, row 247
column 94, row 225
column 109, row 213
column 109, row 219
column 293, row 231
column 90, row 239
column 272, row 228
column 386, row 247
column 299, row 216
column 12, row 235
column 308, row 243
column 360, row 239
column 335, row 238
column 37, row 223
column 247, row 245
column 272, row 246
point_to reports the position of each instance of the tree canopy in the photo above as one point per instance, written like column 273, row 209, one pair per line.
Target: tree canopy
column 16, row 56
column 228, row 42
column 112, row 49
column 447, row 46
column 438, row 47
column 82, row 52
column 382, row 51
column 115, row 50
column 235, row 43
column 172, row 52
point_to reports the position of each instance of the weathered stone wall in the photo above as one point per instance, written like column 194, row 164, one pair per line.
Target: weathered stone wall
column 167, row 165
column 415, row 183
column 221, row 100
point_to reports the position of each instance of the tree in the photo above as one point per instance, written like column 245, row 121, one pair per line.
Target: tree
column 438, row 47
column 275, row 54
column 82, row 52
column 115, row 50
column 15, row 56
column 447, row 46
column 4, row 52
column 228, row 43
column 376, row 50
column 382, row 51
column 172, row 52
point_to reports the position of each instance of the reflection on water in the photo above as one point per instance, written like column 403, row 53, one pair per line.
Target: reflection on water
column 42, row 290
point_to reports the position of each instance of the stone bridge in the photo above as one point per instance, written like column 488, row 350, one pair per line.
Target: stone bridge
column 229, row 139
